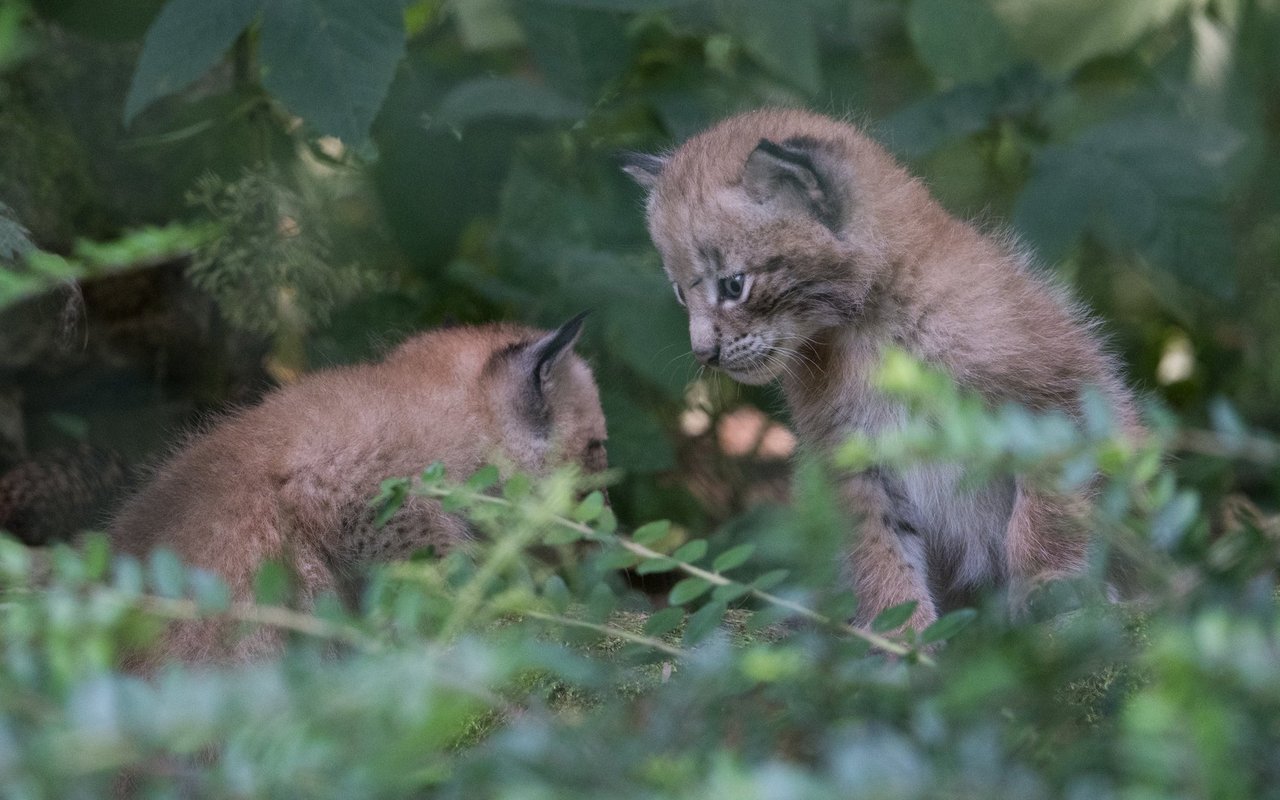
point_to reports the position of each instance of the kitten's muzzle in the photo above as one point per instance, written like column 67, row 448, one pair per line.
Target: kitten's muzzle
column 709, row 355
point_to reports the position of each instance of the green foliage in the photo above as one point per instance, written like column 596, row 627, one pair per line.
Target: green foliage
column 329, row 61
column 494, row 671
column 274, row 263
column 1130, row 145
column 26, row 271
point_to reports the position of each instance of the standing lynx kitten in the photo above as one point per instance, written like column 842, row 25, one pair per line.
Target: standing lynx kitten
column 801, row 250
column 291, row 478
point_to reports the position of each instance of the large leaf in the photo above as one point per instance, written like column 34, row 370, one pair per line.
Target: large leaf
column 961, row 41
column 1063, row 34
column 485, row 98
column 579, row 51
column 620, row 5
column 938, row 119
column 185, row 40
column 1151, row 184
column 780, row 36
column 331, row 61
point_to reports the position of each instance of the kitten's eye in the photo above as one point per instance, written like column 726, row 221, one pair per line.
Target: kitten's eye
column 679, row 293
column 731, row 287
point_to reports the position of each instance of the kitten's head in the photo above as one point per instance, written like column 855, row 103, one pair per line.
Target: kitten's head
column 544, row 401
column 758, row 224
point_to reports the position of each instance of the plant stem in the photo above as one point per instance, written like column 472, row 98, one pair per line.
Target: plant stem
column 874, row 639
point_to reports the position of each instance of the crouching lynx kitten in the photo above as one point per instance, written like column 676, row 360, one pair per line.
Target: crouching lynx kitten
column 801, row 249
column 291, row 478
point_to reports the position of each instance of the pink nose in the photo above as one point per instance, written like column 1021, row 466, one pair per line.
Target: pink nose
column 709, row 356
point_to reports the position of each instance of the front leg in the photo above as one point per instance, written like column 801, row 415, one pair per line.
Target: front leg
column 1047, row 539
column 886, row 564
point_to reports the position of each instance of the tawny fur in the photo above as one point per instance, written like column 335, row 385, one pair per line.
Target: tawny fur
column 845, row 253
column 291, row 479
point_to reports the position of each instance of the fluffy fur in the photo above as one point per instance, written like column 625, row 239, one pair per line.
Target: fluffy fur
column 801, row 249
column 291, row 478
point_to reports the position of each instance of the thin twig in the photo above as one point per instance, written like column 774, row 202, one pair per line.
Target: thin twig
column 608, row 630
column 274, row 616
column 874, row 639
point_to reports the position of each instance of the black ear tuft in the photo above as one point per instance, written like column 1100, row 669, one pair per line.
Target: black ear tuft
column 645, row 168
column 547, row 352
column 794, row 175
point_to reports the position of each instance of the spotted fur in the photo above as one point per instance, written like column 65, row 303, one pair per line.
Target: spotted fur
column 290, row 479
column 845, row 253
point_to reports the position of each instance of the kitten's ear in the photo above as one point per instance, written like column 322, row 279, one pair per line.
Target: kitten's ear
column 644, row 168
column 796, row 175
column 549, row 351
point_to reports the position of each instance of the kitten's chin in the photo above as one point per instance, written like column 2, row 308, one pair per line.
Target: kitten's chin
column 757, row 376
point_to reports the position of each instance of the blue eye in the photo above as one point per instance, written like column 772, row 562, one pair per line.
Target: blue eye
column 731, row 287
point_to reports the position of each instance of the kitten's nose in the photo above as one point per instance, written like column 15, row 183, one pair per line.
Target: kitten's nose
column 709, row 355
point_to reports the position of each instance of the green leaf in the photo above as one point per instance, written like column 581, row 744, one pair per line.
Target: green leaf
column 1152, row 183
column 652, row 532
column 561, row 534
column 557, row 593
column 653, row 565
column 517, row 487
column 579, row 51
column 664, row 621
column 331, row 61
column 185, row 40
column 1174, row 518
column 210, row 592
column 781, row 37
column 590, row 507
column 390, row 498
column 271, row 584
column 770, row 579
column 702, row 622
column 894, row 616
column 607, row 522
column 948, row 625
column 15, row 241
column 619, row 559
column 95, row 551
column 483, row 478
column 729, row 592
column 1063, row 34
column 620, row 5
column 168, row 575
column 688, row 589
column 961, row 41
column 733, row 557
column 486, row 24
column 492, row 97
column 434, row 473
column 690, row 552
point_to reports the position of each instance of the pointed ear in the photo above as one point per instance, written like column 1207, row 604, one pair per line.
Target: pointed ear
column 549, row 351
column 796, row 176
column 644, row 168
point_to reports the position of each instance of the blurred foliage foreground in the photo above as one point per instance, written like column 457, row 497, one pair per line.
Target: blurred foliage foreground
column 494, row 673
column 198, row 198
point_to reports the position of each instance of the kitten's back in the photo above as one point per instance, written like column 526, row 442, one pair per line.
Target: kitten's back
column 290, row 479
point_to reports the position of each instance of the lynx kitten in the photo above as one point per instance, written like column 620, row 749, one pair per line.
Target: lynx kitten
column 801, row 250
column 291, row 478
